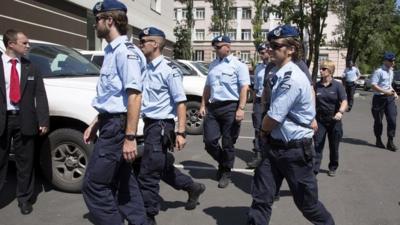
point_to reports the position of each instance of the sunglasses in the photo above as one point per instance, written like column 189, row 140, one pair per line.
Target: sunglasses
column 218, row 46
column 276, row 46
column 323, row 68
column 144, row 41
column 262, row 52
column 98, row 18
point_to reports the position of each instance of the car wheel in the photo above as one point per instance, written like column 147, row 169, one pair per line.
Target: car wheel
column 194, row 121
column 249, row 96
column 64, row 157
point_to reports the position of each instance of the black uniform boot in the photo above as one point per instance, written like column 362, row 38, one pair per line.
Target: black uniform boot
column 390, row 145
column 379, row 143
column 256, row 161
column 194, row 192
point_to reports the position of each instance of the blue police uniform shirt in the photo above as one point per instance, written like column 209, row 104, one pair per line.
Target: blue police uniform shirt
column 291, row 103
column 162, row 89
column 259, row 79
column 351, row 74
column 225, row 78
column 383, row 77
column 122, row 69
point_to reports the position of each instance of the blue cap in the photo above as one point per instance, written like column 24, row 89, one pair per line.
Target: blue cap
column 108, row 5
column 261, row 47
column 151, row 31
column 283, row 31
column 219, row 39
column 390, row 56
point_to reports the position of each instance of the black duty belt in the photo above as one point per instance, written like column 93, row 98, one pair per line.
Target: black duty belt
column 12, row 112
column 258, row 100
column 148, row 120
column 106, row 116
column 221, row 103
column 298, row 143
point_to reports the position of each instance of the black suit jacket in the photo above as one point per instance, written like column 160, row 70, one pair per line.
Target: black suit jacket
column 34, row 108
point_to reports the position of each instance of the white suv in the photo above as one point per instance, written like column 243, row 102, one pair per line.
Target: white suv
column 70, row 81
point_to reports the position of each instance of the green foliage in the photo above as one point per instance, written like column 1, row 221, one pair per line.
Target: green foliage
column 258, row 20
column 221, row 16
column 368, row 28
column 183, row 34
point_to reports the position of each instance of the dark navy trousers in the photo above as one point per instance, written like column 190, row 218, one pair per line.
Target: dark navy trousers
column 110, row 188
column 384, row 105
column 334, row 131
column 157, row 164
column 350, row 90
column 257, row 117
column 220, row 120
column 292, row 165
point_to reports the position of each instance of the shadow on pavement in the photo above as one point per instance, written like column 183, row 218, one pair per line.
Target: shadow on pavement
column 165, row 205
column 356, row 141
column 245, row 155
column 89, row 217
column 228, row 215
column 8, row 193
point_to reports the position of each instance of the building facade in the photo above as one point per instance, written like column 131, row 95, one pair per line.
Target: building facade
column 241, row 31
column 71, row 22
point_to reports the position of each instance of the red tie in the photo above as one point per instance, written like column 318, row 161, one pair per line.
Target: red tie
column 14, row 83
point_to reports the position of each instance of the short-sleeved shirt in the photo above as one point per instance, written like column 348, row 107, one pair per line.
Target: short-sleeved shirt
column 328, row 99
column 383, row 77
column 259, row 79
column 292, row 105
column 225, row 78
column 122, row 69
column 162, row 89
column 351, row 74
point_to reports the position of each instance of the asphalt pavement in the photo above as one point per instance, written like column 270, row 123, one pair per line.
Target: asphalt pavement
column 366, row 190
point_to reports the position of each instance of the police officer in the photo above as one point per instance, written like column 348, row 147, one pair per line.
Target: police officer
column 331, row 102
column 163, row 100
column 383, row 101
column 287, row 126
column 110, row 188
column 223, row 104
column 262, row 50
column 350, row 75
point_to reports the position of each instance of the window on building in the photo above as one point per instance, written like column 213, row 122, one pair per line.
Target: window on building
column 215, row 34
column 233, row 12
column 176, row 14
column 264, row 34
column 155, row 5
column 323, row 57
column 213, row 55
column 233, row 53
column 245, row 56
column 200, row 14
column 246, row 13
column 184, row 13
column 232, row 35
column 198, row 55
column 246, row 34
column 200, row 34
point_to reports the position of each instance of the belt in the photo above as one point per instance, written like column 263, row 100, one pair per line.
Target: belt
column 258, row 100
column 105, row 116
column 148, row 120
column 298, row 143
column 12, row 112
column 222, row 103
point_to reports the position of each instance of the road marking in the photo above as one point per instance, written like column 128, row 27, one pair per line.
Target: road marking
column 246, row 137
column 212, row 168
column 247, row 121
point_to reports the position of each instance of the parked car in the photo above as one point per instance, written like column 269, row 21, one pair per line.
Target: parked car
column 367, row 84
column 396, row 81
column 70, row 82
column 95, row 57
column 360, row 83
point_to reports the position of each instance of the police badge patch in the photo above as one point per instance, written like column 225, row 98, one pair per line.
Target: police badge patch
column 133, row 57
column 277, row 32
column 98, row 6
column 146, row 31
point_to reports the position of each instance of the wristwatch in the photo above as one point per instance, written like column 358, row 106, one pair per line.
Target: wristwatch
column 130, row 137
column 242, row 107
column 183, row 134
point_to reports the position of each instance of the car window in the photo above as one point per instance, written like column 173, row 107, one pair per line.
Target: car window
column 184, row 71
column 201, row 67
column 188, row 71
column 98, row 60
column 55, row 60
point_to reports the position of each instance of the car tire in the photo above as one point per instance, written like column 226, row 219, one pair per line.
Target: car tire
column 194, row 121
column 64, row 158
column 249, row 96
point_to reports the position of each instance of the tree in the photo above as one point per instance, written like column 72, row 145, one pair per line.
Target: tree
column 183, row 34
column 258, row 20
column 220, row 20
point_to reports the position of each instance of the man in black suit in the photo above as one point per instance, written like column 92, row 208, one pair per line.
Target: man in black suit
column 24, row 112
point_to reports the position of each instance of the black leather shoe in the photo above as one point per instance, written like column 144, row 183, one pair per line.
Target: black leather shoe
column 225, row 179
column 151, row 220
column 277, row 197
column 379, row 143
column 390, row 146
column 255, row 162
column 25, row 207
column 194, row 193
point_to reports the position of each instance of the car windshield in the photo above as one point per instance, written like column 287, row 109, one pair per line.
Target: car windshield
column 57, row 61
column 396, row 75
column 200, row 66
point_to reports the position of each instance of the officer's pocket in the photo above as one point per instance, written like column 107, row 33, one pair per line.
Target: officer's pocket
column 110, row 80
column 104, row 169
column 110, row 130
column 155, row 88
column 227, row 78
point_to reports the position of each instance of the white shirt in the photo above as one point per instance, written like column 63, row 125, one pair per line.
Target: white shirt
column 7, row 74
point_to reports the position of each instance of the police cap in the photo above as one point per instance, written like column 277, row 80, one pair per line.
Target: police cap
column 389, row 56
column 261, row 47
column 283, row 31
column 108, row 5
column 151, row 31
column 220, row 39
